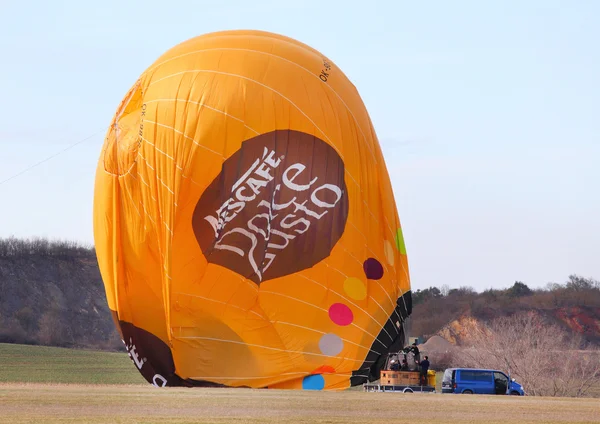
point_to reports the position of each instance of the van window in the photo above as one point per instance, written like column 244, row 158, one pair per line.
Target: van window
column 500, row 383
column 448, row 376
column 501, row 376
column 474, row 375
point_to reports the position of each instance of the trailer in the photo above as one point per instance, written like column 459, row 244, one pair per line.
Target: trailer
column 402, row 381
column 402, row 376
column 398, row 388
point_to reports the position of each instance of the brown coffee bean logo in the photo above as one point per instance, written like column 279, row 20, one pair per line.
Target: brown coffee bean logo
column 278, row 206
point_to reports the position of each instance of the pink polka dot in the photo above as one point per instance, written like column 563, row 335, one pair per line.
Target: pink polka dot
column 340, row 314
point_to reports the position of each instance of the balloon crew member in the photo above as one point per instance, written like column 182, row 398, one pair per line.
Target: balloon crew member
column 423, row 372
column 415, row 350
column 404, row 366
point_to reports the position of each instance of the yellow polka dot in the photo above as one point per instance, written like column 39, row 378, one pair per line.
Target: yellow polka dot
column 355, row 288
column 389, row 252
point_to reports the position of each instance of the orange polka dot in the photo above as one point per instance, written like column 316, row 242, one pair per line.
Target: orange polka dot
column 325, row 369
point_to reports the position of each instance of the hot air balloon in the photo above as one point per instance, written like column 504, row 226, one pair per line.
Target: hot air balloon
column 244, row 221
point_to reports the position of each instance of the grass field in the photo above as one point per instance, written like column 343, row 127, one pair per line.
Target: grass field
column 53, row 385
column 41, row 364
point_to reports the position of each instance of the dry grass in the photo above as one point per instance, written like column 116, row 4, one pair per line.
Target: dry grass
column 51, row 403
column 100, row 387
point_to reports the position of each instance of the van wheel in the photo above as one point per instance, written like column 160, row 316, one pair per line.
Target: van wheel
column 467, row 392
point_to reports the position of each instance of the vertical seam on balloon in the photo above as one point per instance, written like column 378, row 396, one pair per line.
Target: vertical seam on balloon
column 168, row 228
column 146, row 212
column 143, row 207
column 156, row 194
column 142, row 203
column 133, row 201
column 140, row 175
column 156, row 176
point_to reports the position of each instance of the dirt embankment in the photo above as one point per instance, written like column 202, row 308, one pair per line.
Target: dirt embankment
column 53, row 296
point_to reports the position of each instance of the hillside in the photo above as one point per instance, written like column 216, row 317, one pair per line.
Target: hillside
column 51, row 293
column 453, row 314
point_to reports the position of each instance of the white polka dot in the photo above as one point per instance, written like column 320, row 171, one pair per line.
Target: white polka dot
column 330, row 344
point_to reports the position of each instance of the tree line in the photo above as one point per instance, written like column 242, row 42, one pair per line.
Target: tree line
column 434, row 307
column 13, row 247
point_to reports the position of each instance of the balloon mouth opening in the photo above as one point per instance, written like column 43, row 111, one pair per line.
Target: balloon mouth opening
column 125, row 135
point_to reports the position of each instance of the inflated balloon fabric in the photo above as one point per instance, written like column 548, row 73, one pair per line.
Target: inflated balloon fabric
column 245, row 224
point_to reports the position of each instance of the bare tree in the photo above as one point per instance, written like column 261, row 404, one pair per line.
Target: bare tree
column 545, row 358
column 51, row 329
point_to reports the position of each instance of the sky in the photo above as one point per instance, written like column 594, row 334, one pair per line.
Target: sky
column 487, row 112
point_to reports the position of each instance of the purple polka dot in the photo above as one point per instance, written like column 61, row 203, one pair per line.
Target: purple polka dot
column 373, row 269
column 340, row 314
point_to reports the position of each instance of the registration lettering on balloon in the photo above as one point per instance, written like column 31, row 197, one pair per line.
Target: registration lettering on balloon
column 324, row 75
column 279, row 203
column 141, row 130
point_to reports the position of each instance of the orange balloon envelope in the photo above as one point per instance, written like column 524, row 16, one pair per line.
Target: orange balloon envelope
column 244, row 221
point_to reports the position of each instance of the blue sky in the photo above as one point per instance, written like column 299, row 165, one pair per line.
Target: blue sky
column 488, row 114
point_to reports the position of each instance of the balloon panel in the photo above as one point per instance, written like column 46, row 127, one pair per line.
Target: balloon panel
column 244, row 220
